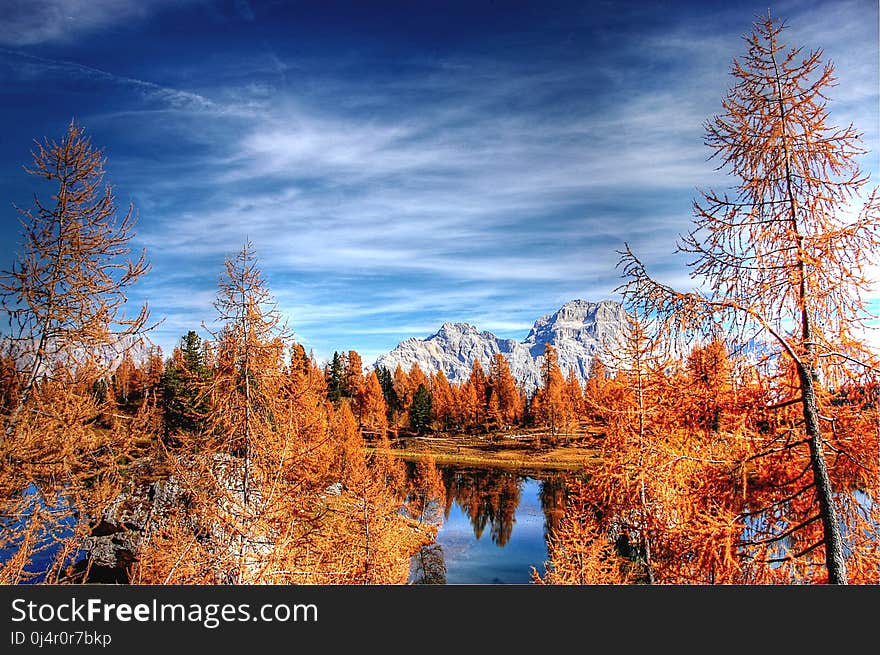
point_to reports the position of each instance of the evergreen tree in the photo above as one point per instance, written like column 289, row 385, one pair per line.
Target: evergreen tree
column 193, row 352
column 183, row 403
column 392, row 401
column 335, row 374
column 420, row 410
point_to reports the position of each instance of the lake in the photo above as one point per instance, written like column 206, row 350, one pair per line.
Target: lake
column 493, row 527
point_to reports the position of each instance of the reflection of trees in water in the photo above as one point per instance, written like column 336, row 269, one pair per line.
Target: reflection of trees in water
column 426, row 493
column 553, row 492
column 429, row 566
column 489, row 497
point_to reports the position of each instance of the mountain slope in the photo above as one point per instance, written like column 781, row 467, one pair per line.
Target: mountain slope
column 577, row 330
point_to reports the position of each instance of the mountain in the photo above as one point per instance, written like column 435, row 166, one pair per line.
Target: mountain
column 577, row 330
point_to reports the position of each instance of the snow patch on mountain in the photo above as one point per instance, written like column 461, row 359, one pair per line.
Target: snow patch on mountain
column 579, row 331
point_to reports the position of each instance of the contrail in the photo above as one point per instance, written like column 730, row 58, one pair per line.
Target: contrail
column 176, row 97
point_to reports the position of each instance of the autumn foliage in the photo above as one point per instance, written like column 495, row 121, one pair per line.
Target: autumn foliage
column 227, row 463
column 729, row 437
column 758, row 468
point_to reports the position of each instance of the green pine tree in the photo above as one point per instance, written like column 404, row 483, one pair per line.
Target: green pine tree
column 391, row 399
column 420, row 410
column 335, row 375
column 182, row 383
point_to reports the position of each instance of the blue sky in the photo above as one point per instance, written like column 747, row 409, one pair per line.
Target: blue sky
column 398, row 165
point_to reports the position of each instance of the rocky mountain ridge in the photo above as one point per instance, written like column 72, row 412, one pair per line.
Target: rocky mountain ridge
column 579, row 331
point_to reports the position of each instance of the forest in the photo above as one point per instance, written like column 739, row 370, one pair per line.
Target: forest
column 731, row 437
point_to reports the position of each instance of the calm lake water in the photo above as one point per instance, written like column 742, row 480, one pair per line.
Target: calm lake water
column 493, row 529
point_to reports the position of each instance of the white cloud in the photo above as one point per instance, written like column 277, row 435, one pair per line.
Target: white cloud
column 30, row 22
column 172, row 99
column 480, row 189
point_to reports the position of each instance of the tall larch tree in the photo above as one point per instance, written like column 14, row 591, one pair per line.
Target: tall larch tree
column 372, row 408
column 403, row 392
column 574, row 396
column 661, row 506
column 253, row 471
column 155, row 369
column 65, row 300
column 506, row 392
column 479, row 400
column 443, row 401
column 65, row 296
column 349, row 444
column 354, row 374
column 709, row 382
column 784, row 251
column 550, row 403
column 417, row 378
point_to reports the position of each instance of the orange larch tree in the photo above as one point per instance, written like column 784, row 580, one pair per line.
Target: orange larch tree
column 66, row 295
column 660, row 505
column 372, row 408
column 404, row 392
column 443, row 401
column 574, row 395
column 550, row 404
column 477, row 400
column 252, row 475
column 709, row 383
column 504, row 389
column 349, row 444
column 65, row 300
column 353, row 375
column 594, row 389
column 784, row 253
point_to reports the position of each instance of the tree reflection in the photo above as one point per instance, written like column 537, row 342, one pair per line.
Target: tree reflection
column 428, row 565
column 553, row 494
column 426, row 492
column 489, row 497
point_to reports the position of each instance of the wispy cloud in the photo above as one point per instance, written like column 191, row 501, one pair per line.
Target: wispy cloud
column 171, row 98
column 29, row 22
column 464, row 186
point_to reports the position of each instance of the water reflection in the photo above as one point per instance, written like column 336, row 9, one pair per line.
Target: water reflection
column 553, row 494
column 429, row 566
column 487, row 497
column 493, row 526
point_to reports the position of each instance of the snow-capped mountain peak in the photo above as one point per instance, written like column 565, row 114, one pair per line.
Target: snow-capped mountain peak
column 578, row 330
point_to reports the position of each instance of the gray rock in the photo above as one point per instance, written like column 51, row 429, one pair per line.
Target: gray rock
column 579, row 330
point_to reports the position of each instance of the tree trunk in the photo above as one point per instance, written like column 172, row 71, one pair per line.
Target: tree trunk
column 643, row 497
column 834, row 558
column 366, row 539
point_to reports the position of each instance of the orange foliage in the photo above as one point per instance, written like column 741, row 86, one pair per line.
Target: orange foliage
column 372, row 408
column 786, row 256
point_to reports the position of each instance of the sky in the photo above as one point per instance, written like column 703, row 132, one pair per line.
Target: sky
column 399, row 165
